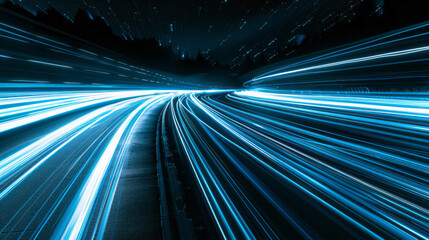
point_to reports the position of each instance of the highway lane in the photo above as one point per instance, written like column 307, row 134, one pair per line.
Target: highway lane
column 275, row 165
column 280, row 165
column 267, row 164
column 60, row 180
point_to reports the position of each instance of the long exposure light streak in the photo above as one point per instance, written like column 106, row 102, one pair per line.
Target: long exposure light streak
column 47, row 109
column 30, row 160
column 79, row 61
column 358, row 169
column 79, row 212
column 317, row 147
column 269, row 164
column 389, row 58
column 350, row 61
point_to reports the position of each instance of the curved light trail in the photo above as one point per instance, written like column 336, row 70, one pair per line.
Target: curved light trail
column 274, row 165
column 268, row 163
column 81, row 159
column 398, row 58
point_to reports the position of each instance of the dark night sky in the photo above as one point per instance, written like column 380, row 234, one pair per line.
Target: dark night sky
column 226, row 30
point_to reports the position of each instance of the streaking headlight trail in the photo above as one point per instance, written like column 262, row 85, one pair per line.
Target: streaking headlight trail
column 78, row 215
column 275, row 165
column 399, row 58
column 332, row 145
column 75, row 156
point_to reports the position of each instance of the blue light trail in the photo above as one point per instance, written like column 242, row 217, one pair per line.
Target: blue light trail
column 87, row 167
column 355, row 162
column 280, row 158
column 393, row 58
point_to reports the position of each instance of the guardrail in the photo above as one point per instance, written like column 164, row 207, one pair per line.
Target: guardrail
column 170, row 189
